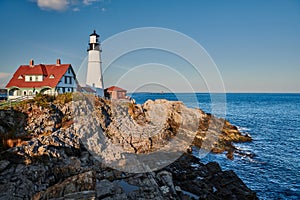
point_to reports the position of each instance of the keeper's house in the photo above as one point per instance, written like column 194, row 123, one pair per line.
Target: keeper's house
column 51, row 79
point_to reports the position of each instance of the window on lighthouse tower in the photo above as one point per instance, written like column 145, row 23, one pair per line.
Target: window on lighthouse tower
column 93, row 39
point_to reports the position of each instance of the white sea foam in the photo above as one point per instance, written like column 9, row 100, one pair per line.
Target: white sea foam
column 243, row 129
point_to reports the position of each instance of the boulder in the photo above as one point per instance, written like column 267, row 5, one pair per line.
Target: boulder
column 82, row 185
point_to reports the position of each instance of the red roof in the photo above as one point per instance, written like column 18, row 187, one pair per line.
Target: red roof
column 114, row 88
column 54, row 71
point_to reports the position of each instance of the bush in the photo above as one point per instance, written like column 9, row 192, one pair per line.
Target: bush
column 43, row 100
column 64, row 98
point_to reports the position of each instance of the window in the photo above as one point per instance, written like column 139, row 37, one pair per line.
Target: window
column 70, row 80
column 24, row 93
column 20, row 77
column 66, row 79
column 30, row 78
column 51, row 76
column 36, row 78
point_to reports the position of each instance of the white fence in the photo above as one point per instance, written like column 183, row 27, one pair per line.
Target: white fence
column 16, row 100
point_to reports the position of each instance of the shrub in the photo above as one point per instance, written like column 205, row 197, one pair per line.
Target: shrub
column 43, row 100
column 64, row 98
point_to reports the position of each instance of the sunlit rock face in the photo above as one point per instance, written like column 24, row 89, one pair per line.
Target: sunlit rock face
column 98, row 149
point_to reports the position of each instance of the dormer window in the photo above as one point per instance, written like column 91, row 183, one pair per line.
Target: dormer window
column 33, row 78
column 20, row 77
column 51, row 76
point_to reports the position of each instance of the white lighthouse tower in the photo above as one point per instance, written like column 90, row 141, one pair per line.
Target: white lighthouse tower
column 94, row 77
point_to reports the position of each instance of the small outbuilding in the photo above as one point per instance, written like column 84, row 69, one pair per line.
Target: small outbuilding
column 115, row 92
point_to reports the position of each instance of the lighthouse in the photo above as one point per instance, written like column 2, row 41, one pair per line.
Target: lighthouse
column 94, row 77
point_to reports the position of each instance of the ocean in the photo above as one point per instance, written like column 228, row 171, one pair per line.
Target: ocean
column 273, row 121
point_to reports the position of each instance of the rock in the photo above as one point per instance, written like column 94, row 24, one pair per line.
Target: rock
column 3, row 164
column 213, row 184
column 105, row 188
column 84, row 183
column 166, row 178
column 19, row 168
column 56, row 161
column 84, row 195
column 213, row 167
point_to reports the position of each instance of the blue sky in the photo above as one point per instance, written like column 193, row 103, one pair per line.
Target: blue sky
column 255, row 44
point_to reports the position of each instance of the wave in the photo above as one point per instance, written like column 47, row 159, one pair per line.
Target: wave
column 243, row 129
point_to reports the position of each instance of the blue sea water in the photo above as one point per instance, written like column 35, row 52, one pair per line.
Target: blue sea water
column 273, row 121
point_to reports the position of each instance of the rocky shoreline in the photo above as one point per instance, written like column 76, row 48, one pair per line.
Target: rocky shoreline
column 46, row 152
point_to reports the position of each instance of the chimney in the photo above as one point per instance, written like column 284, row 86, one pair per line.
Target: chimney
column 31, row 63
column 58, row 62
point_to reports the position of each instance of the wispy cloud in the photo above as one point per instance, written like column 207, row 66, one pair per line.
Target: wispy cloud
column 4, row 78
column 4, row 75
column 76, row 9
column 58, row 5
column 89, row 2
column 63, row 5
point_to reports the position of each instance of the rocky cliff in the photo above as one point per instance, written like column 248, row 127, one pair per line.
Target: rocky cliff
column 88, row 148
